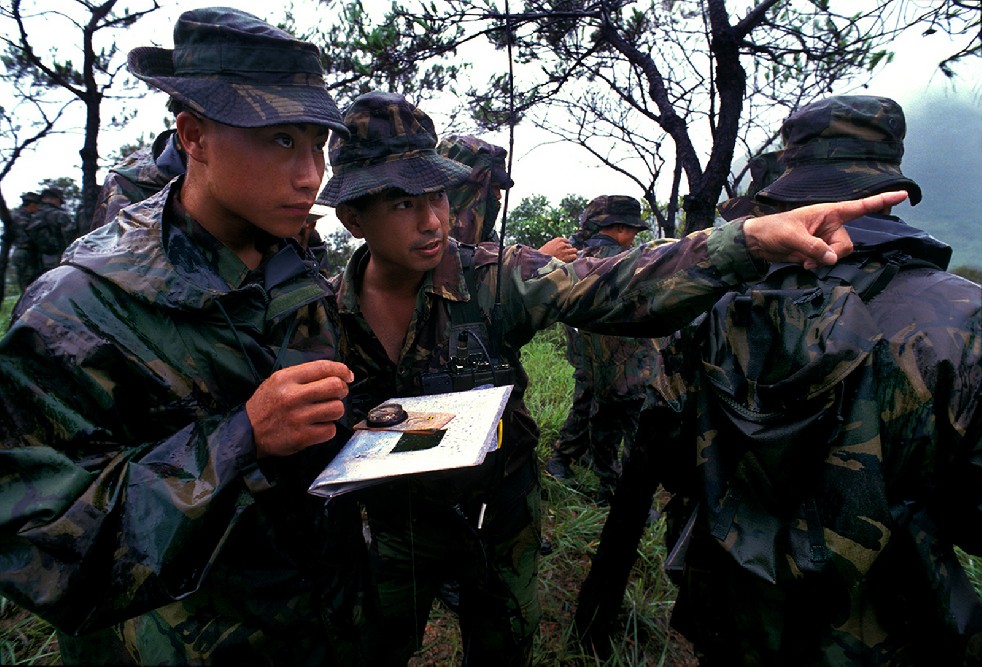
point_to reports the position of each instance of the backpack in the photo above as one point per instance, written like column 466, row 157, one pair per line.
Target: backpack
column 783, row 364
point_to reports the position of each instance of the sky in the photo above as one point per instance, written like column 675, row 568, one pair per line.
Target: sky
column 912, row 79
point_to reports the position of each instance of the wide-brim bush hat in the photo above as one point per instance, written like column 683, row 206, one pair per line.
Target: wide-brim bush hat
column 390, row 146
column 233, row 68
column 607, row 210
column 840, row 148
column 479, row 155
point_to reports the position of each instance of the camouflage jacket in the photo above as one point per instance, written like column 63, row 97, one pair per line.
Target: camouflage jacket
column 128, row 473
column 141, row 174
column 50, row 230
column 840, row 462
column 649, row 291
column 617, row 367
column 17, row 236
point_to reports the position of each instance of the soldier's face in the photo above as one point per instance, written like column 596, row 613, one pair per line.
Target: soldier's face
column 622, row 234
column 405, row 233
column 248, row 178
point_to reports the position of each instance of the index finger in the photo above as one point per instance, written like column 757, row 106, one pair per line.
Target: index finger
column 313, row 371
column 844, row 211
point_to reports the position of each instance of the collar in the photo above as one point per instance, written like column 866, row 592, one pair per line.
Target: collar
column 226, row 263
column 446, row 281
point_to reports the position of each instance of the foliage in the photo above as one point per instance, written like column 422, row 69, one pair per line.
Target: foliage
column 972, row 273
column 6, row 307
column 339, row 245
column 535, row 220
column 364, row 52
column 636, row 84
column 44, row 85
column 25, row 639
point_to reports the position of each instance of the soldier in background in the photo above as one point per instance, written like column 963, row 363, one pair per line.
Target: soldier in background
column 51, row 228
column 23, row 255
column 475, row 203
column 610, row 372
column 141, row 174
column 821, row 435
column 764, row 169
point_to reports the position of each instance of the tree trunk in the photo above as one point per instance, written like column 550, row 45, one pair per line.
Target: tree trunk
column 7, row 218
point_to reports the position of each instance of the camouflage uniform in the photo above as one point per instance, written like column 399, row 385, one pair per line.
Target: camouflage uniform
column 23, row 254
column 239, row 555
column 573, row 440
column 843, row 458
column 475, row 203
column 141, row 173
column 131, row 494
column 50, row 230
column 425, row 528
column 614, row 370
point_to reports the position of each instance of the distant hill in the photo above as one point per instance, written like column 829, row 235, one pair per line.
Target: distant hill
column 943, row 153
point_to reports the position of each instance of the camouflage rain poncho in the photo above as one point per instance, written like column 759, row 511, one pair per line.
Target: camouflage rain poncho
column 128, row 474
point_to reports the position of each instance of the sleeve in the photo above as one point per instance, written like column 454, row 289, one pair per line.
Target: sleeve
column 114, row 498
column 650, row 291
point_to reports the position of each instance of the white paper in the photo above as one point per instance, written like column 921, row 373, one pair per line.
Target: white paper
column 367, row 458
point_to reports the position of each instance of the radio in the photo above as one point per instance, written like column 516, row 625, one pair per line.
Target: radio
column 468, row 368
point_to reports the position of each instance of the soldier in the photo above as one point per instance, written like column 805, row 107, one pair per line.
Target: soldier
column 141, row 174
column 50, row 229
column 613, row 370
column 410, row 290
column 24, row 255
column 166, row 391
column 822, row 433
column 764, row 168
column 474, row 204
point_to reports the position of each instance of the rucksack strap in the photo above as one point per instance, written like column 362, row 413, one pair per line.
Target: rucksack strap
column 463, row 313
column 868, row 282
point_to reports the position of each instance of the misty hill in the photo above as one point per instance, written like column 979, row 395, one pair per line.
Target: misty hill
column 943, row 154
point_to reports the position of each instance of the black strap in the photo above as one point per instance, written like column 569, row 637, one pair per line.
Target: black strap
column 463, row 313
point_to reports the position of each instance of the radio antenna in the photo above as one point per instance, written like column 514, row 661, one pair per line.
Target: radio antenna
column 496, row 326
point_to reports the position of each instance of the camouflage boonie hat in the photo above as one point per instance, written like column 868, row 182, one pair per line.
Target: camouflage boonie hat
column 52, row 192
column 30, row 198
column 391, row 146
column 607, row 210
column 764, row 169
column 477, row 153
column 840, row 148
column 231, row 67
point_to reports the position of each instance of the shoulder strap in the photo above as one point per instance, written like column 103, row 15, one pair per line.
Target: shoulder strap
column 874, row 271
column 467, row 312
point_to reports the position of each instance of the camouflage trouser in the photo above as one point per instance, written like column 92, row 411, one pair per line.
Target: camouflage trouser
column 611, row 423
column 605, row 425
column 27, row 266
column 574, row 436
column 418, row 544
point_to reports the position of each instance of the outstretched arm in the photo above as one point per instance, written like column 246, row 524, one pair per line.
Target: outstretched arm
column 811, row 235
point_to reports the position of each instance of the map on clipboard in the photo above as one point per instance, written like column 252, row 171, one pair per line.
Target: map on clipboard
column 442, row 432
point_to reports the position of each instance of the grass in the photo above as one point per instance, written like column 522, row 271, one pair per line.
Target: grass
column 571, row 524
